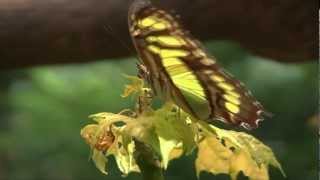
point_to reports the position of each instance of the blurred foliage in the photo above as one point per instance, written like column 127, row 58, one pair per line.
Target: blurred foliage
column 43, row 108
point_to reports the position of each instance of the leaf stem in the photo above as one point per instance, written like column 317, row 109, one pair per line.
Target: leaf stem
column 148, row 163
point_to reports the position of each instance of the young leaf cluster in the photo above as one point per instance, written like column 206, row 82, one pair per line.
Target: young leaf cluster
column 169, row 133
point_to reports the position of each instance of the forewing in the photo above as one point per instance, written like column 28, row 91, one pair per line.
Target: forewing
column 197, row 83
column 160, row 42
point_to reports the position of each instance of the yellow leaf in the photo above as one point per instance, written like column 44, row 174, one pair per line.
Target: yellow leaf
column 170, row 133
column 216, row 158
column 175, row 153
column 123, row 152
column 231, row 152
column 107, row 138
column 166, row 148
column 88, row 133
column 109, row 118
column 135, row 87
column 100, row 161
column 258, row 151
column 243, row 162
column 212, row 157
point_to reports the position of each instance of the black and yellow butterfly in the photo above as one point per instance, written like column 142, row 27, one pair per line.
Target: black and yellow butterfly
column 178, row 68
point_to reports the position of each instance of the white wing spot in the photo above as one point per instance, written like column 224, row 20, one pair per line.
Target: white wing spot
column 246, row 125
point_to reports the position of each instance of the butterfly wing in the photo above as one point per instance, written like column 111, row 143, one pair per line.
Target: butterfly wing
column 180, row 69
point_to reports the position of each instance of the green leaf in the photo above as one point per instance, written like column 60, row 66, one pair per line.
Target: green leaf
column 173, row 133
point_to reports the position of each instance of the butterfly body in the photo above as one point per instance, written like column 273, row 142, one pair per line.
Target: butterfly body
column 179, row 69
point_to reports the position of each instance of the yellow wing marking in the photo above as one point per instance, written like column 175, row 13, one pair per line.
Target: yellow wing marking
column 188, row 82
column 154, row 23
column 234, row 94
column 183, row 77
column 154, row 49
column 177, row 69
column 232, row 99
column 147, row 22
column 160, row 26
column 167, row 40
column 225, row 86
column 167, row 53
column 232, row 108
column 180, row 74
column 217, row 78
column 171, row 62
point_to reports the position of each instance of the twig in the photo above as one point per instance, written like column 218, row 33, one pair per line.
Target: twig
column 148, row 163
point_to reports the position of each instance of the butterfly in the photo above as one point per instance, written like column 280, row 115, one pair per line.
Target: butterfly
column 178, row 68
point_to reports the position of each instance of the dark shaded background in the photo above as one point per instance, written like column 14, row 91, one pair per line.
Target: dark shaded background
column 34, row 32
column 42, row 108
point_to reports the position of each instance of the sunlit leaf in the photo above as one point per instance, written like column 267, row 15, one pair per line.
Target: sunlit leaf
column 231, row 152
column 173, row 125
column 216, row 158
column 133, row 88
column 171, row 133
column 88, row 133
column 175, row 153
column 260, row 153
column 107, row 139
column 100, row 161
column 123, row 151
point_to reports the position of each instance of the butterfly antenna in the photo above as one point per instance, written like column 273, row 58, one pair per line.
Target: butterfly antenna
column 116, row 37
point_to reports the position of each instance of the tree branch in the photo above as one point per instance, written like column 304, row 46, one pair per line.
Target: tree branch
column 34, row 32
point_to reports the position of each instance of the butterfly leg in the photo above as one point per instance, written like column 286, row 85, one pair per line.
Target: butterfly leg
column 143, row 73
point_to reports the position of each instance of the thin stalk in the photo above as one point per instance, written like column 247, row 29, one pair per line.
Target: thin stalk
column 148, row 163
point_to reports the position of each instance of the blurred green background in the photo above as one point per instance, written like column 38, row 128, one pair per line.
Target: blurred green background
column 42, row 110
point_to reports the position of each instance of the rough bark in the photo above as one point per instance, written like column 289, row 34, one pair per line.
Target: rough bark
column 35, row 32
